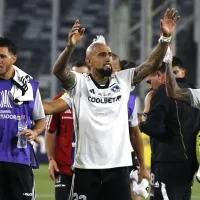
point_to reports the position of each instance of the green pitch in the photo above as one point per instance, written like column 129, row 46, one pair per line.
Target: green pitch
column 45, row 187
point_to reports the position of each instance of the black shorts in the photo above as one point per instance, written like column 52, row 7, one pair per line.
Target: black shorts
column 62, row 186
column 135, row 165
column 172, row 181
column 101, row 184
column 16, row 182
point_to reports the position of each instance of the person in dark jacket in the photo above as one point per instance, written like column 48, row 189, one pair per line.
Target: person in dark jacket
column 172, row 127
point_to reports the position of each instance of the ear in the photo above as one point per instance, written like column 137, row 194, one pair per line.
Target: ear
column 14, row 59
column 87, row 61
column 159, row 74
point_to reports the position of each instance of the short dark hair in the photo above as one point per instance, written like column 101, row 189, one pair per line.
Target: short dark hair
column 80, row 64
column 115, row 56
column 161, row 69
column 5, row 42
column 176, row 61
column 127, row 64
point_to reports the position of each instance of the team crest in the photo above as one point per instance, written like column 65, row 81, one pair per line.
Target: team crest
column 115, row 88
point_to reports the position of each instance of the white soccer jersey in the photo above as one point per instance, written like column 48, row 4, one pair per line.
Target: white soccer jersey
column 133, row 120
column 195, row 97
column 101, row 121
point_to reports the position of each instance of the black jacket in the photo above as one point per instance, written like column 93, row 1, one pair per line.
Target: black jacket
column 172, row 127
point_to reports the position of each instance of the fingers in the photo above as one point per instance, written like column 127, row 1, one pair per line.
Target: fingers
column 75, row 29
column 82, row 31
column 176, row 18
column 56, row 167
column 166, row 13
column 52, row 168
column 51, row 174
column 171, row 14
column 139, row 177
column 161, row 23
column 29, row 134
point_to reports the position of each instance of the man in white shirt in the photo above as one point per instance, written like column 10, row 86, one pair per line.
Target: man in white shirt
column 99, row 103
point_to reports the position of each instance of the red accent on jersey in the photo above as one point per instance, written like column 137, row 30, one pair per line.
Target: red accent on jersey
column 62, row 123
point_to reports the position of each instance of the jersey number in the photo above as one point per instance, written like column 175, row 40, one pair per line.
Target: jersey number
column 80, row 197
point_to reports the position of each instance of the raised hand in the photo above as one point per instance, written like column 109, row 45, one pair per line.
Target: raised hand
column 168, row 23
column 75, row 35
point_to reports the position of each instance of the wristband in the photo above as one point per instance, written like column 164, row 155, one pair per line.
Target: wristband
column 165, row 39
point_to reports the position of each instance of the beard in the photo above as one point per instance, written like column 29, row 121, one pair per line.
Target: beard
column 105, row 72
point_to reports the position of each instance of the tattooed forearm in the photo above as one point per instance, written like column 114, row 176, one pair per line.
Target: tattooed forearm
column 172, row 88
column 151, row 64
column 66, row 77
column 183, row 94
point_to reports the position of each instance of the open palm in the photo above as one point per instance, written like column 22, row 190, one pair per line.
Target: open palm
column 168, row 24
column 75, row 36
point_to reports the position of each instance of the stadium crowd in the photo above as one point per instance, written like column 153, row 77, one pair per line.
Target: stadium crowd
column 93, row 134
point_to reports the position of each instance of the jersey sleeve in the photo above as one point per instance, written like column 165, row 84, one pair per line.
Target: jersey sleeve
column 38, row 111
column 127, row 77
column 67, row 99
column 195, row 97
column 133, row 120
column 77, row 88
column 52, row 123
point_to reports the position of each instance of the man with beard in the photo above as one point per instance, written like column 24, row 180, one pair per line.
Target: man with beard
column 99, row 103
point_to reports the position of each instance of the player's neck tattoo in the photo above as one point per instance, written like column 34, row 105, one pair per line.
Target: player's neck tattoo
column 100, row 80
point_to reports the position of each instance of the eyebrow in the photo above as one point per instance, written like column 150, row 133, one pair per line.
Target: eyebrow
column 106, row 53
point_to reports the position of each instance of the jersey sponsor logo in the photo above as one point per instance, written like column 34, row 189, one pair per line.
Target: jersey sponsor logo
column 28, row 194
column 105, row 99
column 60, row 185
column 115, row 88
column 5, row 111
column 68, row 111
column 92, row 91
column 67, row 117
column 5, row 101
column 9, row 116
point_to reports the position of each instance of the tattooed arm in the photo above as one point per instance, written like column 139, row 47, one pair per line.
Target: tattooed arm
column 151, row 64
column 68, row 78
column 172, row 88
column 167, row 26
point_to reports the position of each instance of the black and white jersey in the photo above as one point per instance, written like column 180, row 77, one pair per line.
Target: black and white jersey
column 101, row 121
column 195, row 97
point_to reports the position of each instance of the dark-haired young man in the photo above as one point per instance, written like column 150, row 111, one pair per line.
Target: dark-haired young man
column 19, row 101
column 178, row 69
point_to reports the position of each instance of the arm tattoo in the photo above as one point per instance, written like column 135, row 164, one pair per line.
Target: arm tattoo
column 183, row 94
column 172, row 88
column 67, row 78
column 151, row 64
